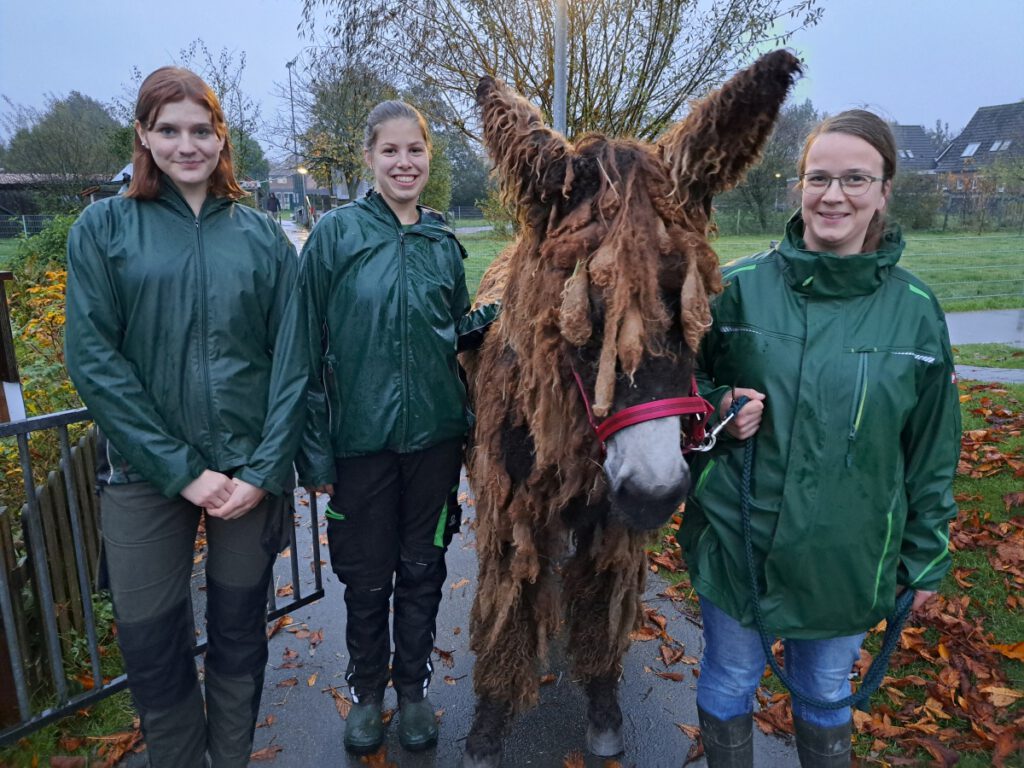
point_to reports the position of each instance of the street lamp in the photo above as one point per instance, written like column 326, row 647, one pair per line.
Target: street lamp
column 558, row 108
column 295, row 139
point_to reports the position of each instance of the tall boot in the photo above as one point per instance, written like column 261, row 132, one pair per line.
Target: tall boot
column 236, row 659
column 823, row 747
column 727, row 743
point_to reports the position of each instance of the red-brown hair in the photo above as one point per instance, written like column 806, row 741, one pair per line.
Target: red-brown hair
column 163, row 86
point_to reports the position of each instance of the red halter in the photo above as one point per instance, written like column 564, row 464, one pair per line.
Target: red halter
column 695, row 406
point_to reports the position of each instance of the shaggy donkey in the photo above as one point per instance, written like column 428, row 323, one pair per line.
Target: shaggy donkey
column 605, row 298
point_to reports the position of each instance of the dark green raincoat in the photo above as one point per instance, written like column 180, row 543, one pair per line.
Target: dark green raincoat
column 184, row 337
column 852, row 481
column 386, row 305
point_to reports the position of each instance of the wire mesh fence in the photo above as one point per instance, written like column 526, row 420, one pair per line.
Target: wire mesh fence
column 23, row 226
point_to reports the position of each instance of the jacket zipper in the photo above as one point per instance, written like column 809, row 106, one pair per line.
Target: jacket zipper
column 403, row 292
column 328, row 377
column 204, row 343
column 859, row 399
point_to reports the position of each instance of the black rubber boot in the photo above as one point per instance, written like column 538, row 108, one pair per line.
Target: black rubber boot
column 823, row 747
column 604, row 718
column 727, row 743
column 417, row 726
column 364, row 728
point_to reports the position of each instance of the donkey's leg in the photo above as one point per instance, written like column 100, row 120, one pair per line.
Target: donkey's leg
column 602, row 591
column 506, row 630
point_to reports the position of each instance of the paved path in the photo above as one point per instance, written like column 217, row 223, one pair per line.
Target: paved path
column 306, row 724
column 1000, row 326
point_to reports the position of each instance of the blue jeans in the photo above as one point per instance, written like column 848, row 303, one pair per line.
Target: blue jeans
column 734, row 662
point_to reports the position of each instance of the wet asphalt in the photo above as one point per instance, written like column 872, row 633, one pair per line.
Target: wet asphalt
column 306, row 725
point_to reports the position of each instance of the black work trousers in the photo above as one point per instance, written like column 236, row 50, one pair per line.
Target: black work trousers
column 389, row 523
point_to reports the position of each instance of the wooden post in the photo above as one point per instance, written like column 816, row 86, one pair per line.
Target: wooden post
column 12, row 404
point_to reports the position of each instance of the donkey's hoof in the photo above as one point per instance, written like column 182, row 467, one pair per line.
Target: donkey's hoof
column 607, row 743
column 485, row 761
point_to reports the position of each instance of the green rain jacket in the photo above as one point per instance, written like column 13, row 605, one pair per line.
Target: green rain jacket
column 852, row 480
column 386, row 306
column 185, row 339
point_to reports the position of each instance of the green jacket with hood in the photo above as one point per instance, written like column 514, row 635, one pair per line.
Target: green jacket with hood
column 185, row 339
column 387, row 304
column 855, row 457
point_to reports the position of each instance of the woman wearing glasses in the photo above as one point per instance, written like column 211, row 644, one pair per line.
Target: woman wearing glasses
column 845, row 358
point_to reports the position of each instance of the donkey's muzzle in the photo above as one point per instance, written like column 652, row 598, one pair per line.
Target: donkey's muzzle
column 647, row 475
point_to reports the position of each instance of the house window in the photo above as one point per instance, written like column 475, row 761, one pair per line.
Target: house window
column 910, row 153
column 970, row 149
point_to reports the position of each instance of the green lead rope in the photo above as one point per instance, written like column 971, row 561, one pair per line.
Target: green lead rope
column 894, row 623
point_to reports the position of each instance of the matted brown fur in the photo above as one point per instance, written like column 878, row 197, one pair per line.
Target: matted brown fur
column 620, row 224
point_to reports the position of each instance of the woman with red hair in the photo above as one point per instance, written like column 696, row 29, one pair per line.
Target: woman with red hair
column 184, row 340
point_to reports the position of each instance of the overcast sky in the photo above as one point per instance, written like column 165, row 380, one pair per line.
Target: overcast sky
column 913, row 61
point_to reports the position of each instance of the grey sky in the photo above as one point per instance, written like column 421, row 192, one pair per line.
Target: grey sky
column 913, row 61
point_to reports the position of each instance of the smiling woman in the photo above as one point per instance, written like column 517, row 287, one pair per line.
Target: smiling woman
column 185, row 146
column 845, row 358
column 388, row 309
column 184, row 339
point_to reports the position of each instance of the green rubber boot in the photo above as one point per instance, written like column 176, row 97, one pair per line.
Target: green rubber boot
column 417, row 726
column 364, row 728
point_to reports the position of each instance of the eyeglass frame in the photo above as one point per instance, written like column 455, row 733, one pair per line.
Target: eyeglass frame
column 842, row 187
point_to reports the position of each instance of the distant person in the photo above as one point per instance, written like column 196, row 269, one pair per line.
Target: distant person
column 854, row 406
column 185, row 341
column 387, row 300
column 274, row 206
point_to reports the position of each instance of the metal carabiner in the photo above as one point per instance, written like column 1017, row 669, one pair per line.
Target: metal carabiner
column 712, row 436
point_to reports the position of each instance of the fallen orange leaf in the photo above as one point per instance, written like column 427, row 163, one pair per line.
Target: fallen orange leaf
column 267, row 753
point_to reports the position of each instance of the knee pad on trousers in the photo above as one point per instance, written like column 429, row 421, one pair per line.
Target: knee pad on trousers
column 423, row 572
column 236, row 619
column 159, row 657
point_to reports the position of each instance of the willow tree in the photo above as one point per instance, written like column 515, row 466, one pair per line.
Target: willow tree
column 632, row 64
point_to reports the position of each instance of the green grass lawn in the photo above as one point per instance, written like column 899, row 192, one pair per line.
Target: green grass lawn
column 967, row 272
column 989, row 355
column 8, row 247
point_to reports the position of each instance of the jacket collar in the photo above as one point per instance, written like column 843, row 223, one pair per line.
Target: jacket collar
column 429, row 225
column 172, row 198
column 825, row 275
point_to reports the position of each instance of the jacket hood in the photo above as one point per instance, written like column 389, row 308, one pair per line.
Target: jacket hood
column 825, row 275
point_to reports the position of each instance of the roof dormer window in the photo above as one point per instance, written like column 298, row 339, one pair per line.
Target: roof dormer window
column 970, row 149
column 1000, row 144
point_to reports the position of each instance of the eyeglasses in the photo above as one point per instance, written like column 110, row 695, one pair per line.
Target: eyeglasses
column 853, row 184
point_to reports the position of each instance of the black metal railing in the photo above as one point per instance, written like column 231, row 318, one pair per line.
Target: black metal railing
column 40, row 670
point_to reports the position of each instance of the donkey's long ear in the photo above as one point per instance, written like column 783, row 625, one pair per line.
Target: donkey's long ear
column 530, row 159
column 709, row 151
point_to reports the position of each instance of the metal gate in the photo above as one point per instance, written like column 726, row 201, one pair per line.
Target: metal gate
column 49, row 554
